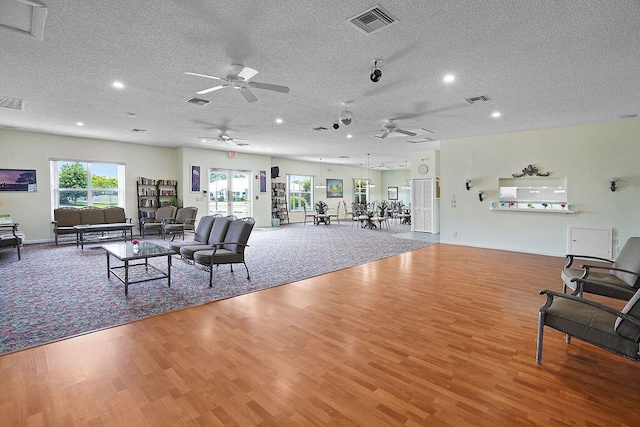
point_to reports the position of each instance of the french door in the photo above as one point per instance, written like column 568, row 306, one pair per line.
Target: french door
column 229, row 192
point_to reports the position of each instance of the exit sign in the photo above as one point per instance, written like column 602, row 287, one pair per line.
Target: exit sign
column 232, row 154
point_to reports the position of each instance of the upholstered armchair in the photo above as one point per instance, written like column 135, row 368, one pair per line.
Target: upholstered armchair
column 163, row 214
column 184, row 221
column 615, row 279
column 230, row 251
column 216, row 237
column 200, row 235
column 593, row 322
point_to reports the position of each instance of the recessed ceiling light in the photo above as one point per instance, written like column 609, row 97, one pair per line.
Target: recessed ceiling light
column 79, row 123
column 349, row 136
column 496, row 114
column 278, row 121
column 449, row 78
column 118, row 85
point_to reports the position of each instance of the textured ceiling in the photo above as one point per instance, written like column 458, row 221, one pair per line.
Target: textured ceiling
column 542, row 63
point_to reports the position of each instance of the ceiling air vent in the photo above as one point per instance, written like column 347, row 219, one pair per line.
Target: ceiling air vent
column 24, row 16
column 197, row 101
column 478, row 99
column 14, row 103
column 628, row 116
column 372, row 20
column 319, row 128
column 138, row 130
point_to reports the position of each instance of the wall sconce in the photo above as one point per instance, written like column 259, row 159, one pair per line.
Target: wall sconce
column 481, row 195
column 612, row 181
column 467, row 184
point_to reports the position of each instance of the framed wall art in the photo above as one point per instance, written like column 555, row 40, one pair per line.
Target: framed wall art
column 334, row 188
column 18, row 180
column 392, row 193
column 263, row 181
column 195, row 179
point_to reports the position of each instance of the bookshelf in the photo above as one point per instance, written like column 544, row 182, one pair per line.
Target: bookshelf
column 154, row 193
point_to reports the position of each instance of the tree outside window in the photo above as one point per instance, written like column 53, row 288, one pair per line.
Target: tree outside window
column 300, row 193
column 360, row 190
column 73, row 188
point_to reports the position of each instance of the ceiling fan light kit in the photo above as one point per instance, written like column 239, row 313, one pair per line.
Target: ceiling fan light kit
column 238, row 79
column 345, row 117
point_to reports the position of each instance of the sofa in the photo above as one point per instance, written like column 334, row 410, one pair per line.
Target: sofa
column 65, row 218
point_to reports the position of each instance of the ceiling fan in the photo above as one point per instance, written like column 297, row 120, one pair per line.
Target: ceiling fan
column 224, row 137
column 382, row 166
column 238, row 78
column 390, row 126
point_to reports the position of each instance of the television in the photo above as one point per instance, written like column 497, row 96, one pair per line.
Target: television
column 275, row 172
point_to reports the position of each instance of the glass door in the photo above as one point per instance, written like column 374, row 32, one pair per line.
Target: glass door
column 229, row 192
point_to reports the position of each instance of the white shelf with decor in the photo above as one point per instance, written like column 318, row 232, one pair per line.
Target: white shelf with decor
column 279, row 207
column 533, row 192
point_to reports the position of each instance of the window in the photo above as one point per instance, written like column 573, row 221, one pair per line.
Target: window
column 71, row 186
column 300, row 192
column 361, row 190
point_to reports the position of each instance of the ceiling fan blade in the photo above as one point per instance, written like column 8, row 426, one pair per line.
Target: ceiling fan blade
column 211, row 89
column 405, row 132
column 246, row 73
column 385, row 134
column 204, row 75
column 267, row 86
column 248, row 95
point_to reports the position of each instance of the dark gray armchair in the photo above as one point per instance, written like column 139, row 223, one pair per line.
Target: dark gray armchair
column 230, row 251
column 619, row 279
column 200, row 235
column 163, row 215
column 216, row 236
column 184, row 221
column 590, row 321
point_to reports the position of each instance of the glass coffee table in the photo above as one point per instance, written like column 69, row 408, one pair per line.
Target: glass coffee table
column 137, row 272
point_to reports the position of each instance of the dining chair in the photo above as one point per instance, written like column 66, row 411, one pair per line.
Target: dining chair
column 311, row 215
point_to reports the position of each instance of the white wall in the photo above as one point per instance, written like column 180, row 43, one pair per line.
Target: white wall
column 331, row 171
column 220, row 159
column 586, row 155
column 25, row 150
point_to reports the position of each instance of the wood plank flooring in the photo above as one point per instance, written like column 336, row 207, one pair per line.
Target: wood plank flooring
column 441, row 336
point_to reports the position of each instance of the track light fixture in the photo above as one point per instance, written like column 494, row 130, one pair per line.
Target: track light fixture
column 467, row 184
column 481, row 195
column 612, row 182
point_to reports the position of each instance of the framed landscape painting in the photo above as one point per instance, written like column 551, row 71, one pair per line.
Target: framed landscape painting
column 334, row 188
column 18, row 180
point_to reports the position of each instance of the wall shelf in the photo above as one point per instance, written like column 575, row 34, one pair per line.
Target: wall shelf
column 533, row 210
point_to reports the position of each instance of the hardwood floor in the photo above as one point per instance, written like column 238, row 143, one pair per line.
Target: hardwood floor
column 442, row 336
